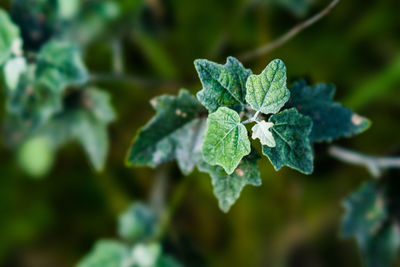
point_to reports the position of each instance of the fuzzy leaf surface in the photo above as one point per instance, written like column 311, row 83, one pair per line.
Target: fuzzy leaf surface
column 223, row 85
column 331, row 120
column 267, row 91
column 293, row 147
column 176, row 132
column 106, row 253
column 227, row 188
column 226, row 141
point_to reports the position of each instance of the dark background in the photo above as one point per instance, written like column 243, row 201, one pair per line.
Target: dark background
column 292, row 219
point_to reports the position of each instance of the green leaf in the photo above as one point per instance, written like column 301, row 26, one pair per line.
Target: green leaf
column 227, row 188
column 106, row 253
column 365, row 212
column 261, row 130
column 138, row 222
column 367, row 220
column 176, row 132
column 13, row 70
column 382, row 249
column 10, row 41
column 293, row 147
column 223, row 85
column 145, row 255
column 59, row 65
column 29, row 160
column 226, row 140
column 331, row 120
column 267, row 92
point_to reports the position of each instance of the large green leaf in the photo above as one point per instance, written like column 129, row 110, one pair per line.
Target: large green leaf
column 293, row 147
column 223, row 85
column 226, row 140
column 10, row 41
column 331, row 120
column 138, row 222
column 106, row 253
column 227, row 188
column 267, row 92
column 176, row 132
column 60, row 64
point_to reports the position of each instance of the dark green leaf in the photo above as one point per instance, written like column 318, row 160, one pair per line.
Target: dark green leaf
column 330, row 119
column 293, row 147
column 176, row 132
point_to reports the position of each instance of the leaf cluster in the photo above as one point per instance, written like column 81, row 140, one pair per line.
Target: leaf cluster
column 211, row 132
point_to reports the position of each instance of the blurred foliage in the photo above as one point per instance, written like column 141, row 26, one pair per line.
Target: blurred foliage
column 293, row 220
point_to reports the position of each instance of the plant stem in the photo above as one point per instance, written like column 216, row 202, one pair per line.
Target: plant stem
column 375, row 165
column 252, row 119
column 288, row 35
column 117, row 56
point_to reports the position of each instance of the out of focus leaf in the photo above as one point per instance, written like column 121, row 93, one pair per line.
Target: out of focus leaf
column 176, row 132
column 291, row 132
column 331, row 120
column 13, row 69
column 227, row 188
column 226, row 141
column 36, row 156
column 10, row 41
column 138, row 222
column 106, row 253
column 60, row 64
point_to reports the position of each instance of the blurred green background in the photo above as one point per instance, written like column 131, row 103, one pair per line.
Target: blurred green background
column 292, row 219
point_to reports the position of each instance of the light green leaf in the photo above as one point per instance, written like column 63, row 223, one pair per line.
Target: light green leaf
column 267, row 92
column 13, row 70
column 331, row 120
column 138, row 222
column 106, row 253
column 261, row 130
column 10, row 41
column 59, row 65
column 36, row 156
column 67, row 9
column 227, row 188
column 176, row 132
column 223, row 85
column 293, row 147
column 145, row 255
column 226, row 141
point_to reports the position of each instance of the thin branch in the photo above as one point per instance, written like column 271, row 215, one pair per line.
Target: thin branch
column 375, row 165
column 288, row 35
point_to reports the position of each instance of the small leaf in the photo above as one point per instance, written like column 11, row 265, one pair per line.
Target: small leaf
column 145, row 255
column 176, row 132
column 293, row 147
column 106, row 253
column 261, row 130
column 10, row 41
column 223, row 85
column 267, row 92
column 13, row 70
column 138, row 222
column 227, row 188
column 331, row 120
column 60, row 64
column 36, row 156
column 226, row 140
